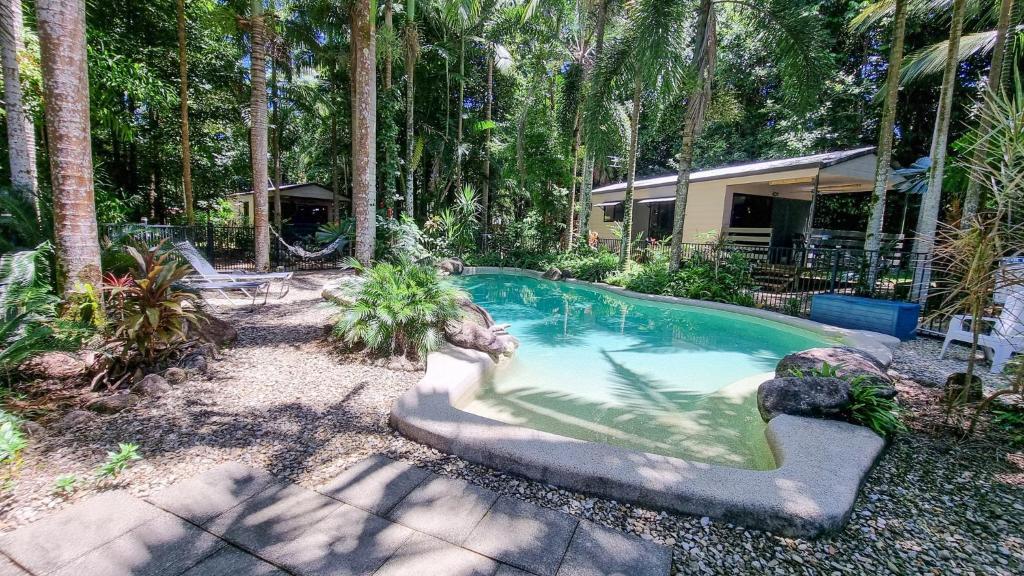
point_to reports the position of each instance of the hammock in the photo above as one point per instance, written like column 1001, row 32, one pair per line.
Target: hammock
column 306, row 255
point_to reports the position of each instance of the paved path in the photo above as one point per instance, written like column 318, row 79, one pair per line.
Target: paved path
column 379, row 517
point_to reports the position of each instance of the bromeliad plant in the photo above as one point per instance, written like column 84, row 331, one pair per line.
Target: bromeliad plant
column 153, row 317
column 402, row 310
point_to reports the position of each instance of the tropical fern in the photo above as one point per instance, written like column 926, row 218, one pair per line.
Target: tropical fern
column 402, row 310
column 27, row 305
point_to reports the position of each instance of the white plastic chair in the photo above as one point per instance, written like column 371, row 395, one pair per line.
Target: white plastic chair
column 1003, row 340
column 210, row 274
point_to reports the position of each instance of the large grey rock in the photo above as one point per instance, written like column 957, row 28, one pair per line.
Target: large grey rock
column 493, row 340
column 152, row 386
column 473, row 312
column 451, row 266
column 344, row 290
column 375, row 484
column 54, row 366
column 599, row 551
column 523, row 535
column 217, row 331
column 553, row 274
column 848, row 361
column 445, row 508
column 114, row 403
column 812, row 396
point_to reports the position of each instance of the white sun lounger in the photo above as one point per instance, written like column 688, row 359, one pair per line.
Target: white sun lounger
column 1003, row 340
column 208, row 273
column 252, row 289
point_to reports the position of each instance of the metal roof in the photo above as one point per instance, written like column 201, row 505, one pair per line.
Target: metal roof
column 768, row 166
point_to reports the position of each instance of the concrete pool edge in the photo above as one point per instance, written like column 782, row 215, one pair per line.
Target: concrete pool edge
column 822, row 463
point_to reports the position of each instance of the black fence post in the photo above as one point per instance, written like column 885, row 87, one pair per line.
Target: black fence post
column 835, row 271
column 209, row 243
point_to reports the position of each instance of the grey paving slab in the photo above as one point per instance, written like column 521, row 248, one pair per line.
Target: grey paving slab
column 213, row 492
column 599, row 551
column 444, row 508
column 231, row 561
column 523, row 535
column 8, row 568
column 506, row 570
column 348, row 542
column 46, row 545
column 164, row 546
column 279, row 513
column 425, row 555
column 375, row 484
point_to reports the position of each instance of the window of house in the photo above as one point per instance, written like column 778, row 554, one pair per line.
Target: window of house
column 614, row 213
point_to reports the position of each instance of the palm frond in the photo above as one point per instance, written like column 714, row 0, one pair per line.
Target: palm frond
column 932, row 60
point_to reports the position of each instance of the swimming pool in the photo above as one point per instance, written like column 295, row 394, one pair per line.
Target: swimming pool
column 660, row 378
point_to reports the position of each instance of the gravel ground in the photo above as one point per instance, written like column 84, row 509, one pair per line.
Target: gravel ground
column 282, row 400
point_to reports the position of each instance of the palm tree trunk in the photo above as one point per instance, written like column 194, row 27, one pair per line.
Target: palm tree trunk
column 587, row 184
column 20, row 131
column 389, row 10
column 485, row 196
column 335, row 181
column 627, row 209
column 21, row 137
column 873, row 234
column 364, row 129
column 412, row 46
column 570, row 219
column 928, row 218
column 61, row 26
column 276, row 144
column 704, row 62
column 995, row 76
column 462, row 100
column 186, row 145
column 258, row 135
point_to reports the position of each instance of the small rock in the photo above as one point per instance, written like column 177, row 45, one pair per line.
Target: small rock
column 815, row 397
column 553, row 274
column 217, row 331
column 451, row 266
column 114, row 403
column 193, row 362
column 152, row 385
column 54, row 366
column 175, row 376
column 75, row 418
column 33, row 429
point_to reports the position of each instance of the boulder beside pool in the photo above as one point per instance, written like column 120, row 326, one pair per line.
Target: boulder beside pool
column 813, row 397
column 849, row 363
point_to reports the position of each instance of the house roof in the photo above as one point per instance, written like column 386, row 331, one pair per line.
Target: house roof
column 270, row 186
column 768, row 166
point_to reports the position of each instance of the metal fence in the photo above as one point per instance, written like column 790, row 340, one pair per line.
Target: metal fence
column 233, row 247
column 786, row 279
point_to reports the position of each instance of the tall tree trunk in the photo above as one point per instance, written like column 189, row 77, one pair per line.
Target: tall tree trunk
column 462, row 100
column 873, row 234
column 389, row 27
column 412, row 47
column 570, row 219
column 972, row 200
column 625, row 250
column 588, row 161
column 704, row 63
column 258, row 135
column 276, row 144
column 186, row 145
column 928, row 218
column 364, row 129
column 61, row 26
column 485, row 196
column 335, row 181
column 21, row 136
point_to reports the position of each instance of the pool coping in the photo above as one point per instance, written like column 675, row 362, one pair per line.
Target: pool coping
column 822, row 463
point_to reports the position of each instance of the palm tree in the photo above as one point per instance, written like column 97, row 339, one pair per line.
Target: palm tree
column 364, row 128
column 792, row 33
column 61, row 26
column 21, row 138
column 186, row 147
column 927, row 221
column 873, row 234
column 995, row 76
column 587, row 175
column 412, row 51
column 258, row 135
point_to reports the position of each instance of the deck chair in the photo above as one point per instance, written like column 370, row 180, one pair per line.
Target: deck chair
column 1003, row 339
column 252, row 289
column 209, row 274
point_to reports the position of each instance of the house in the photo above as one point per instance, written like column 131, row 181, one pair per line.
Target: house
column 307, row 203
column 762, row 203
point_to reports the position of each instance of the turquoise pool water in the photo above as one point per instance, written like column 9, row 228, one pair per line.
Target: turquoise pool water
column 662, row 378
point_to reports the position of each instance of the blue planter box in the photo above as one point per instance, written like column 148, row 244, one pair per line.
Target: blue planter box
column 891, row 317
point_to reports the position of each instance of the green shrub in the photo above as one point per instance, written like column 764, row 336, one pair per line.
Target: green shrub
column 12, row 443
column 869, row 408
column 152, row 317
column 65, row 485
column 1010, row 420
column 117, row 461
column 592, row 265
column 402, row 309
column 718, row 280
